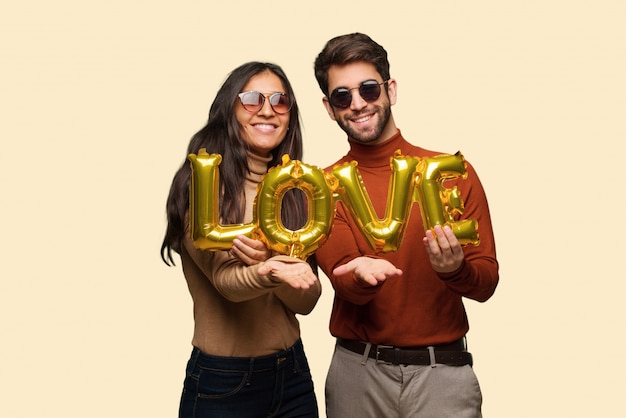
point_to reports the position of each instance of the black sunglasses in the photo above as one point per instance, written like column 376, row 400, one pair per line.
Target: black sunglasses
column 369, row 90
column 253, row 101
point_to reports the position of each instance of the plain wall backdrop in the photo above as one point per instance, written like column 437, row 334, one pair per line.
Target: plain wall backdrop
column 98, row 101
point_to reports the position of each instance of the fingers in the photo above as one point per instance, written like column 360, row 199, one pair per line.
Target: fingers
column 443, row 248
column 370, row 270
column 441, row 240
column 345, row 268
column 296, row 275
column 249, row 251
column 252, row 243
column 303, row 280
column 243, row 257
column 373, row 278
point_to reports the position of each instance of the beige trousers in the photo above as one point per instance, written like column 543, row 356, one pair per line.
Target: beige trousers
column 359, row 387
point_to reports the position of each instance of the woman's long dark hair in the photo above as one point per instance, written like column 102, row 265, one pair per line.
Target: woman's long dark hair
column 221, row 135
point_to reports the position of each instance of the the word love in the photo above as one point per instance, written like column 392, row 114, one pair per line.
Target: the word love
column 413, row 180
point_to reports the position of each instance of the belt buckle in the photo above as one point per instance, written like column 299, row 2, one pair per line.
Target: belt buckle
column 378, row 348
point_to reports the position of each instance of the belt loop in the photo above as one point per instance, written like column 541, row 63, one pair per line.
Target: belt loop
column 250, row 371
column 366, row 353
column 195, row 355
column 431, row 353
column 294, row 351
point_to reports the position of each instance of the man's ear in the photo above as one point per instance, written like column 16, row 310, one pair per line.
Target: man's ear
column 392, row 91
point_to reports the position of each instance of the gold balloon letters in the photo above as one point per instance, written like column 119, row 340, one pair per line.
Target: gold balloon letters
column 414, row 180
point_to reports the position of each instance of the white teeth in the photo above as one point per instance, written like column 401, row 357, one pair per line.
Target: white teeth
column 363, row 119
column 264, row 126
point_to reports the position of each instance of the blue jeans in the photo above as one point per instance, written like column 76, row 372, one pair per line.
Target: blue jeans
column 278, row 385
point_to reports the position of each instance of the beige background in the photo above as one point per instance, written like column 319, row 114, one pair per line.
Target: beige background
column 99, row 99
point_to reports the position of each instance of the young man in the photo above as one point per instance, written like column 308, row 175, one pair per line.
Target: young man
column 398, row 316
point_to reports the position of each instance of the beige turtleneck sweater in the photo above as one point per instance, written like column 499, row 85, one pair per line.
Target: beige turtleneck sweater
column 237, row 312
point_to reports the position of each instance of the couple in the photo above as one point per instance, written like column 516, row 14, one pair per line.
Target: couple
column 398, row 317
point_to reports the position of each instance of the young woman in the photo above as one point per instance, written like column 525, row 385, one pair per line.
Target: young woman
column 247, row 358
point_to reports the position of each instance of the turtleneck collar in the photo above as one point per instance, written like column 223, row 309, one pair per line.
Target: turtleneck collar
column 257, row 165
column 377, row 155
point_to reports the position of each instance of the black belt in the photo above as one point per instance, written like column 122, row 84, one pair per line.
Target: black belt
column 453, row 354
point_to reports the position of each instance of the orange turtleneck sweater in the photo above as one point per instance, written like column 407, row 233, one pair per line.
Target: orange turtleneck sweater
column 421, row 307
column 237, row 312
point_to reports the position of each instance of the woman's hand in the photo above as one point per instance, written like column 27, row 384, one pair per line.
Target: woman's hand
column 249, row 251
column 293, row 272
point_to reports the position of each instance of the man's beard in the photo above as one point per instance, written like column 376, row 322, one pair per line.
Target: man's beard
column 384, row 113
